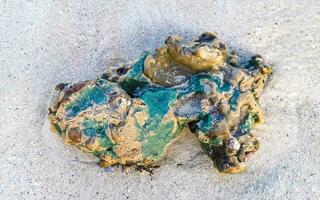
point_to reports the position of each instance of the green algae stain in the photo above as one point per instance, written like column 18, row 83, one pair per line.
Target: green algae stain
column 154, row 146
column 249, row 122
column 105, row 142
column 57, row 127
column 87, row 97
column 111, row 153
column 216, row 142
column 96, row 153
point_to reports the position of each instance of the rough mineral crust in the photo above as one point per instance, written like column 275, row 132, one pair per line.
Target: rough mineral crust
column 135, row 111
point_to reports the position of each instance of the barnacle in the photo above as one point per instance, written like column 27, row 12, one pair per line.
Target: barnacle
column 135, row 111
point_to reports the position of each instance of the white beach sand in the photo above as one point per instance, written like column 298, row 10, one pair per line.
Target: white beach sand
column 46, row 42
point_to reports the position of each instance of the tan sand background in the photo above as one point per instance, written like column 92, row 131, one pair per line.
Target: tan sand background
column 46, row 42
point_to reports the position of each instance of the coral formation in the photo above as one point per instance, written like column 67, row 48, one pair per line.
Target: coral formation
column 134, row 111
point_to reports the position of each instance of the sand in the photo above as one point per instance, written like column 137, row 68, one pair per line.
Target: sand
column 45, row 42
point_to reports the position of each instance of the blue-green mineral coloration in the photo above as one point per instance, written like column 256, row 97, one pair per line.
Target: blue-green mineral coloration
column 205, row 125
column 199, row 84
column 154, row 146
column 135, row 78
column 94, row 129
column 137, row 67
column 87, row 97
column 249, row 122
column 134, row 112
column 158, row 101
column 234, row 99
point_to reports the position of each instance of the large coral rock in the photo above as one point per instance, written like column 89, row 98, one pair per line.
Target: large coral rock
column 135, row 111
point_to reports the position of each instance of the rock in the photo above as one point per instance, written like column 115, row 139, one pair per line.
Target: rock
column 135, row 111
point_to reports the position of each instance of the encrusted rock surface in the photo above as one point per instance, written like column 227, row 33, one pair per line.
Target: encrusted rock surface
column 135, row 111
